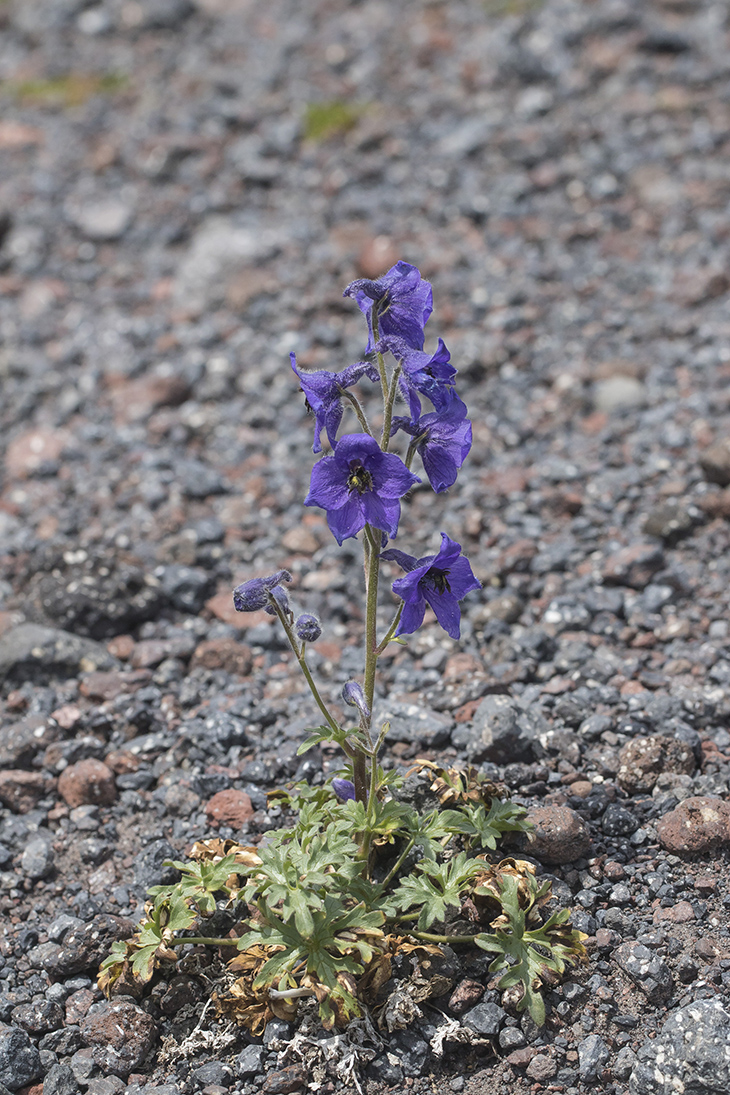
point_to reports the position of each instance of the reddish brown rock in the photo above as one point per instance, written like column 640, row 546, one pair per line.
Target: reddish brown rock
column 715, row 462
column 681, row 913
column 87, row 783
column 223, row 654
column 541, row 1068
column 633, row 566
column 22, row 791
column 102, row 685
column 697, row 825
column 120, row 1035
column 135, row 400
column 559, row 836
column 466, row 994
column 29, row 452
column 376, row 256
column 643, row 760
column 286, row 1080
column 229, row 807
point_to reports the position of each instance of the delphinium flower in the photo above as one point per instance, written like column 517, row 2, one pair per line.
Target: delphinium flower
column 323, row 392
column 360, row 485
column 442, row 439
column 397, row 304
column 440, row 580
column 430, row 374
column 253, row 595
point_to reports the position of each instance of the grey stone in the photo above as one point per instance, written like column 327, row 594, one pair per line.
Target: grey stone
column 691, row 1054
column 412, row 723
column 33, row 652
column 37, row 858
column 412, row 1051
column 148, row 865
column 485, row 1018
column 647, row 970
column 592, row 1056
column 101, row 221
column 249, row 1062
column 503, row 732
column 20, row 1062
column 219, row 251
column 59, row 1080
column 618, row 393
column 186, row 588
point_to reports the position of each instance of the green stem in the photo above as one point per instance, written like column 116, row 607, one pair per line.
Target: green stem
column 398, row 864
column 357, row 407
column 299, row 654
column 202, row 941
column 388, row 637
column 371, row 614
column 389, row 403
column 451, row 939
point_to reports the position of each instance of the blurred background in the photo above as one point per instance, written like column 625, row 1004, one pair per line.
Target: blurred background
column 186, row 187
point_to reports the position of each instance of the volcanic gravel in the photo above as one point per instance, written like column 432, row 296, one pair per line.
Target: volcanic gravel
column 185, row 189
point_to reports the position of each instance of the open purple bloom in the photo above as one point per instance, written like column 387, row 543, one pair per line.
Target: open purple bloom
column 253, row 594
column 440, row 580
column 397, row 304
column 323, row 394
column 442, row 439
column 430, row 374
column 344, row 789
column 359, row 484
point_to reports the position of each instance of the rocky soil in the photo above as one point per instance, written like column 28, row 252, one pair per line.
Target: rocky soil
column 185, row 188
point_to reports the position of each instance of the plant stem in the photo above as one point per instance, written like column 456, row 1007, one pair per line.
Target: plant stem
column 391, row 630
column 389, row 403
column 299, row 654
column 371, row 615
column 398, row 864
column 357, row 406
column 203, row 941
column 451, row 939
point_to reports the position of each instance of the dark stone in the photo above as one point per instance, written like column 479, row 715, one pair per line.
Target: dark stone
column 91, row 593
column 249, row 1062
column 31, row 652
column 646, row 969
column 411, row 1050
column 618, row 821
column 185, row 588
column 485, row 1018
column 592, row 1056
column 20, row 1062
column 149, row 869
column 503, row 731
column 59, row 1080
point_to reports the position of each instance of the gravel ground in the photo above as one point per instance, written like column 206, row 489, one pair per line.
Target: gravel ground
column 185, row 188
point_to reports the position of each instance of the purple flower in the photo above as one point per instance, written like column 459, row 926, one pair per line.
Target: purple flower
column 279, row 595
column 307, row 627
column 323, row 394
column 430, row 374
column 443, row 440
column 360, row 484
column 354, row 696
column 344, row 789
column 253, row 594
column 440, row 580
column 397, row 304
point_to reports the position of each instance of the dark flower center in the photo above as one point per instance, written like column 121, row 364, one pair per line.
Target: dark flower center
column 359, row 478
column 440, row 580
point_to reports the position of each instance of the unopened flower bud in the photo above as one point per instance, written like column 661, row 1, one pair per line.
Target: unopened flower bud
column 251, row 596
column 308, row 627
column 344, row 789
column 354, row 696
column 281, row 599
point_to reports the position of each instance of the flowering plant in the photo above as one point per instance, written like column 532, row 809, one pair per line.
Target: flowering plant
column 322, row 906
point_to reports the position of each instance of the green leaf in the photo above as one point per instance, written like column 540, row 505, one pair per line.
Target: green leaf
column 526, row 954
